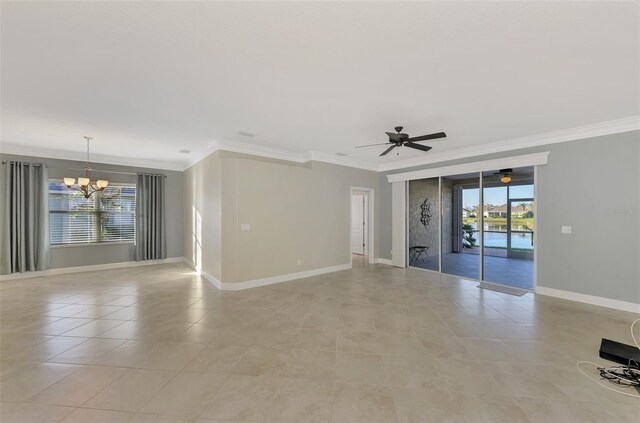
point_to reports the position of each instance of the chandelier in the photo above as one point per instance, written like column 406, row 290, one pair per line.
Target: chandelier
column 85, row 185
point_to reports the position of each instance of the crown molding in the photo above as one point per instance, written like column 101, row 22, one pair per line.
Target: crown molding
column 202, row 154
column 51, row 153
column 616, row 126
column 533, row 159
column 262, row 151
column 246, row 148
column 319, row 156
column 277, row 154
column 628, row 124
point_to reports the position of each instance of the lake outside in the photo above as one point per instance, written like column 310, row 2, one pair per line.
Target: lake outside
column 498, row 239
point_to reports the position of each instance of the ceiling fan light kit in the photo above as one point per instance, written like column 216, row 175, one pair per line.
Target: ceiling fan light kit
column 400, row 139
column 506, row 175
column 84, row 185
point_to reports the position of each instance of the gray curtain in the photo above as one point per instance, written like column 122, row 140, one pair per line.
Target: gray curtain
column 24, row 226
column 151, row 233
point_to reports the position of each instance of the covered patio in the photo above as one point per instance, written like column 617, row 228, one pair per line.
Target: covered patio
column 503, row 270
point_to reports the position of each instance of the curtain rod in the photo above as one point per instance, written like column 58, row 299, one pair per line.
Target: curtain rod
column 82, row 169
column 25, row 163
column 109, row 171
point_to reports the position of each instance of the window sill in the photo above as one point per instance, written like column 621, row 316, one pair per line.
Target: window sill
column 91, row 244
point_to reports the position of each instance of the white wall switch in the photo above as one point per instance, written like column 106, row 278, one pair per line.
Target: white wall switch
column 566, row 229
column 245, row 227
column 299, row 262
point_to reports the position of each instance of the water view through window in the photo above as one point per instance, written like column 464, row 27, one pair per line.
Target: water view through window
column 507, row 239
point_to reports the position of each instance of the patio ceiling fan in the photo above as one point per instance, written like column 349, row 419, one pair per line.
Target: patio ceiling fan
column 399, row 139
column 506, row 175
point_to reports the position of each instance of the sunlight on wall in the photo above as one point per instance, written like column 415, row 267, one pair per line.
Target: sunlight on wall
column 196, row 237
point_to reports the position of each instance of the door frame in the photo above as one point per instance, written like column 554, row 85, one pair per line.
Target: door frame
column 359, row 210
column 370, row 192
column 481, row 224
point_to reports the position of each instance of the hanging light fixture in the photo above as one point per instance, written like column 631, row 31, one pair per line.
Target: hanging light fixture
column 506, row 175
column 84, row 184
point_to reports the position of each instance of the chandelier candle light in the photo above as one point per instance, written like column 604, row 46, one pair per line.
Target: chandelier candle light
column 84, row 183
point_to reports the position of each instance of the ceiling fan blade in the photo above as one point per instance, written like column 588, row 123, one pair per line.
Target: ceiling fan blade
column 388, row 149
column 418, row 146
column 428, row 137
column 371, row 145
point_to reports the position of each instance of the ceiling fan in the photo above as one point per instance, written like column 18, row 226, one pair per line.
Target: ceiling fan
column 399, row 139
column 506, row 175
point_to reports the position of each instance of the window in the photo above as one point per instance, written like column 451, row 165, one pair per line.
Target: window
column 107, row 216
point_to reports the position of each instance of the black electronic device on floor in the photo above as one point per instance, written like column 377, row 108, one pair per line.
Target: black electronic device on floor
column 620, row 353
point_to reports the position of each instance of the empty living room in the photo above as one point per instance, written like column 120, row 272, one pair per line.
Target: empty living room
column 319, row 211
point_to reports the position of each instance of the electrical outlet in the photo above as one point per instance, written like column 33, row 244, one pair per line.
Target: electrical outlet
column 299, row 262
column 245, row 227
column 565, row 229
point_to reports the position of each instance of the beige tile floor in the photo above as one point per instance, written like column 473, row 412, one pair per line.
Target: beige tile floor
column 372, row 344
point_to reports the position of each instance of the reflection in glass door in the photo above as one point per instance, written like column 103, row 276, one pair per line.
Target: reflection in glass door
column 495, row 218
column 508, row 223
column 461, row 225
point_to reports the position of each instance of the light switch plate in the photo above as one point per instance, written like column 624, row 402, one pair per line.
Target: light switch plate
column 245, row 227
column 565, row 229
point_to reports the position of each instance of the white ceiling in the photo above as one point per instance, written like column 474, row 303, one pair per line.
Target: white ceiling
column 149, row 79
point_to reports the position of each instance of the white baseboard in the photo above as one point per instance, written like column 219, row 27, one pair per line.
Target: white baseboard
column 383, row 261
column 266, row 281
column 211, row 279
column 91, row 268
column 214, row 281
column 283, row 278
column 190, row 264
column 589, row 299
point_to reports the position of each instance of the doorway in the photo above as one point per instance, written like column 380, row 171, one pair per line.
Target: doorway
column 476, row 225
column 359, row 213
column 361, row 235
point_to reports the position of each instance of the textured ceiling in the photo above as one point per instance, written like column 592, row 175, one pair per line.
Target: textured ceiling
column 149, row 79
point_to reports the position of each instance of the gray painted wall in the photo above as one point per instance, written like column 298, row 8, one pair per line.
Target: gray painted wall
column 592, row 185
column 295, row 212
column 85, row 255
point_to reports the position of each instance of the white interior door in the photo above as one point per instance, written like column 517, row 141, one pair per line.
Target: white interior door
column 359, row 213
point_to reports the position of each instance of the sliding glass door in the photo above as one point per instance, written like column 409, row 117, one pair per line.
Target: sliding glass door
column 461, row 225
column 521, row 228
column 423, row 220
column 477, row 226
column 508, row 227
